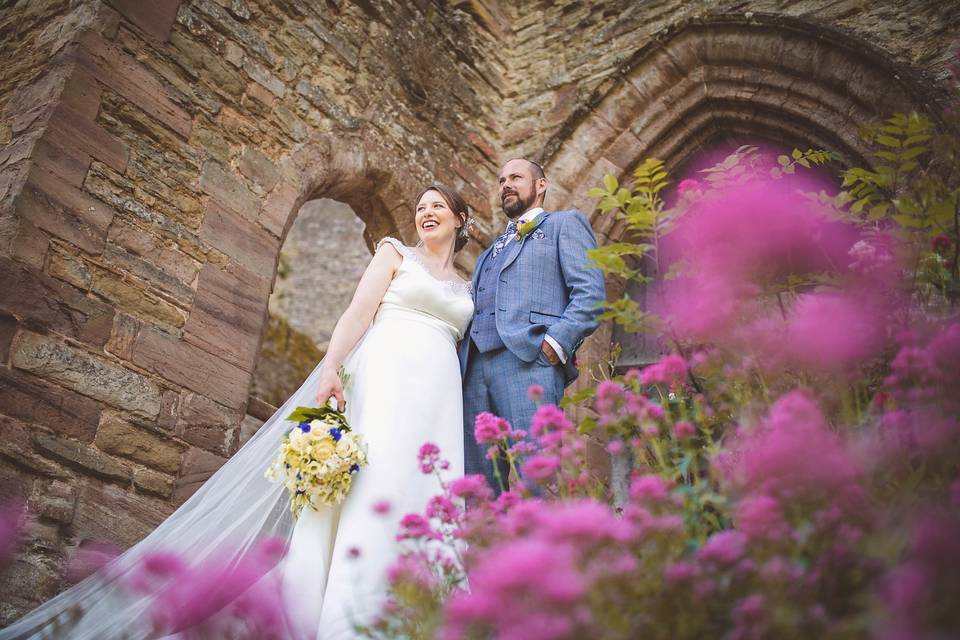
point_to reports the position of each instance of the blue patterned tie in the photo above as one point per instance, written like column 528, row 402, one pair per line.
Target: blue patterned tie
column 502, row 240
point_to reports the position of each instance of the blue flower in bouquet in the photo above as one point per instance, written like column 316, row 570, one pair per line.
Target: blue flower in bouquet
column 305, row 427
column 354, row 468
column 335, row 434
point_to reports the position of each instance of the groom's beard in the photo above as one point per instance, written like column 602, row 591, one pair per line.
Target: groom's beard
column 518, row 205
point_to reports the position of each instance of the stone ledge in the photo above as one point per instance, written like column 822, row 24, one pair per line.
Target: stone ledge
column 86, row 457
column 86, row 374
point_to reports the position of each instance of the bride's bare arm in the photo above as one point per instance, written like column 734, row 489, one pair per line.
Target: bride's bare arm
column 355, row 320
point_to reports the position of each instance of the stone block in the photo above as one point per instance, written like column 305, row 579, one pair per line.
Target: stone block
column 228, row 190
column 25, row 458
column 8, row 328
column 169, row 410
column 198, row 466
column 246, row 242
column 248, row 429
column 68, row 267
column 119, row 437
column 107, row 513
column 131, row 296
column 87, row 136
column 163, row 254
column 122, row 335
column 144, row 269
column 87, row 458
column 30, row 399
column 52, row 204
column 54, row 501
column 228, row 315
column 190, row 366
column 124, row 74
column 154, row 18
column 206, row 424
column 290, row 123
column 148, row 481
column 14, row 484
column 32, row 579
column 279, row 208
column 81, row 92
column 51, row 359
column 30, row 245
column 262, row 76
column 259, row 168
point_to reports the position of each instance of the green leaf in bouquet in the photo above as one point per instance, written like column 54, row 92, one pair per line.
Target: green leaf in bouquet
column 324, row 414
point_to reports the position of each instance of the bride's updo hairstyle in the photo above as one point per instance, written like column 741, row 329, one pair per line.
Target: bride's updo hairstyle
column 459, row 207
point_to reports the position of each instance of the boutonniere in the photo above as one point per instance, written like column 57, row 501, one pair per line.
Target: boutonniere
column 530, row 226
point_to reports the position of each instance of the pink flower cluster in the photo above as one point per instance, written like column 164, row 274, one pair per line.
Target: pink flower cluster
column 737, row 245
column 216, row 594
column 429, row 459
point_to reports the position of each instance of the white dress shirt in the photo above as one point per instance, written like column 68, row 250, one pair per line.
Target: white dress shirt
column 522, row 220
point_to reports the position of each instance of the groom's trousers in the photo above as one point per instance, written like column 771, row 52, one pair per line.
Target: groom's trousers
column 497, row 382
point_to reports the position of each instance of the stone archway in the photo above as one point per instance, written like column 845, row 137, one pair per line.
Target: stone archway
column 724, row 77
column 732, row 74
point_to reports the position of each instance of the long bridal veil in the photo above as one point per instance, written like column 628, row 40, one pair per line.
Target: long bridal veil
column 235, row 508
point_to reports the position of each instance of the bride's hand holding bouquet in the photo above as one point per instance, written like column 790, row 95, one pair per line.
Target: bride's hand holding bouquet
column 330, row 386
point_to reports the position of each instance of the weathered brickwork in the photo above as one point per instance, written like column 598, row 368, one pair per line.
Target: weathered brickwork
column 153, row 156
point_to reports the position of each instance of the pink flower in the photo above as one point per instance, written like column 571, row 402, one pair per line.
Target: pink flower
column 414, row 526
column 443, row 509
column 193, row 595
column 490, row 429
column 549, row 417
column 89, row 558
column 540, row 575
column 761, row 517
column 683, row 430
column 429, row 457
column 648, row 487
column 382, row 507
column 680, row 571
column 353, row 553
column 615, row 447
column 610, row 395
column 669, row 370
column 688, row 185
column 471, row 487
column 832, row 332
column 414, row 570
column 793, row 454
column 535, row 392
column 723, row 548
column 540, row 467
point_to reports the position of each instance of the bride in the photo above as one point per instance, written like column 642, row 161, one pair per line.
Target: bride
column 397, row 344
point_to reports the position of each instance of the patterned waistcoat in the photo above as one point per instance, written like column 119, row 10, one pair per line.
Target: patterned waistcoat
column 483, row 331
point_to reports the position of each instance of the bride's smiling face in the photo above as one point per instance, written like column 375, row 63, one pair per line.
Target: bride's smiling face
column 435, row 220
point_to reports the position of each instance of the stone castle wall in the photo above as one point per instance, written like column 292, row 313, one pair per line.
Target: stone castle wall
column 154, row 154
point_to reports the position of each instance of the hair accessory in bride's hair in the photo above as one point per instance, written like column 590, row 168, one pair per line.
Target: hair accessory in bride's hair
column 468, row 225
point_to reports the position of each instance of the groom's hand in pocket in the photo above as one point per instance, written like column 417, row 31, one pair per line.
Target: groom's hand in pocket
column 549, row 353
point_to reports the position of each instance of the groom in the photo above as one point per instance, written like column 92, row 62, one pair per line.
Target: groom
column 536, row 298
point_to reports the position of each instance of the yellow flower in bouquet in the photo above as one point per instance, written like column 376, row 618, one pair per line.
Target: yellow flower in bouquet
column 318, row 458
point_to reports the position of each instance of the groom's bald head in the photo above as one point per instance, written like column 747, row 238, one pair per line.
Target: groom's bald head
column 523, row 186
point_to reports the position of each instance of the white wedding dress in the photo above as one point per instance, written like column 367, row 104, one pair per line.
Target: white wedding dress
column 404, row 390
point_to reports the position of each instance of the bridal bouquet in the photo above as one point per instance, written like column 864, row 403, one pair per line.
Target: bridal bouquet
column 318, row 458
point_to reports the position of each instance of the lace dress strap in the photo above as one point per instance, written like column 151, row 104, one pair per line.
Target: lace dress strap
column 401, row 248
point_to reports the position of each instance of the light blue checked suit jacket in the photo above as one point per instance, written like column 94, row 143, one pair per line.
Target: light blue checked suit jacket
column 547, row 286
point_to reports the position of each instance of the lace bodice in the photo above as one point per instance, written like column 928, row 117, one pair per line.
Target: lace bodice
column 416, row 289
